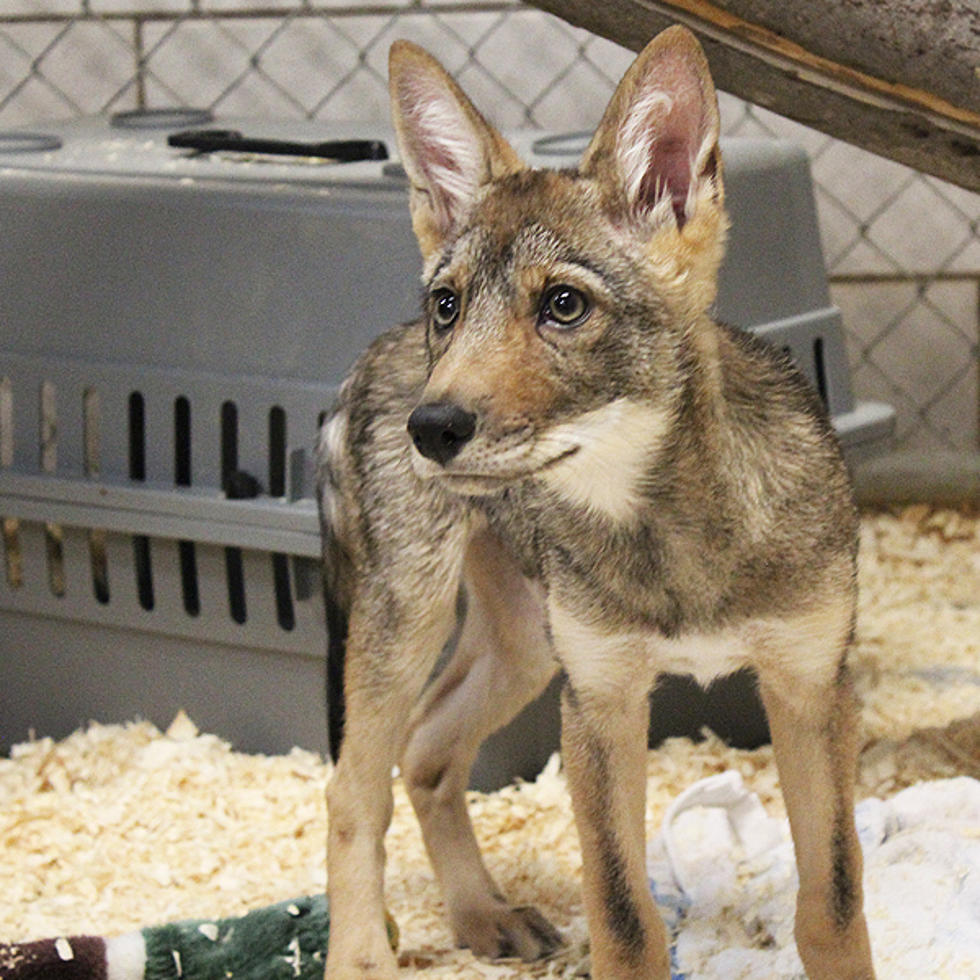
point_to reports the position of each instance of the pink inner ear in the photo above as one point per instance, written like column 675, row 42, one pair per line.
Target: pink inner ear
column 675, row 139
column 428, row 127
column 670, row 164
column 442, row 148
column 436, row 158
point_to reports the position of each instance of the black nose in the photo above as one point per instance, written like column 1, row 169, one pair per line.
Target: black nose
column 441, row 429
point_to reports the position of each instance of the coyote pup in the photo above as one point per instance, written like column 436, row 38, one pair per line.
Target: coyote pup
column 567, row 462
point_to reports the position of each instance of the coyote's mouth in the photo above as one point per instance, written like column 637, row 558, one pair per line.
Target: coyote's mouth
column 481, row 482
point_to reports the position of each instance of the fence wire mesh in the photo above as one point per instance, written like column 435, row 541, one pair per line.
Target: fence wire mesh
column 902, row 249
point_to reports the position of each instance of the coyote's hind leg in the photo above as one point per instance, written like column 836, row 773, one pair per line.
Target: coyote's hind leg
column 502, row 661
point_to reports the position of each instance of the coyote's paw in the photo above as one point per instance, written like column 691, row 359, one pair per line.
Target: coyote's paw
column 360, row 959
column 363, row 968
column 501, row 931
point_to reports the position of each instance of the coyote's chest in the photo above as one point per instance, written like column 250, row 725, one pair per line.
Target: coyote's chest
column 594, row 652
column 767, row 643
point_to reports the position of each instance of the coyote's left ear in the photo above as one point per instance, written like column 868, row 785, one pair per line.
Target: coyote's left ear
column 448, row 149
column 656, row 148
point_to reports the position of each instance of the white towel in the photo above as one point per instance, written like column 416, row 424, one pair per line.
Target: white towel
column 724, row 876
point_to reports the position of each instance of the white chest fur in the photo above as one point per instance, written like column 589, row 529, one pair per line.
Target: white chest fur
column 598, row 659
column 705, row 656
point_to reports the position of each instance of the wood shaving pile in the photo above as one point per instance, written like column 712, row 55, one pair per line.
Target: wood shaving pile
column 121, row 826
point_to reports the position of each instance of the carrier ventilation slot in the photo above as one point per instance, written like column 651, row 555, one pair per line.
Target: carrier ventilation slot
column 819, row 366
column 137, row 471
column 10, row 525
column 235, row 489
column 285, row 614
column 53, row 533
column 187, row 553
column 820, row 369
column 92, row 453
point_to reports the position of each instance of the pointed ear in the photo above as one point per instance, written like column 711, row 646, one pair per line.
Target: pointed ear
column 448, row 149
column 657, row 144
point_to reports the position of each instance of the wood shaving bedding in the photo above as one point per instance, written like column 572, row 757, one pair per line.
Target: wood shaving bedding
column 917, row 659
column 120, row 826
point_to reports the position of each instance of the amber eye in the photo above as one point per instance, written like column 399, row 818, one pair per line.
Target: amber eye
column 445, row 308
column 564, row 306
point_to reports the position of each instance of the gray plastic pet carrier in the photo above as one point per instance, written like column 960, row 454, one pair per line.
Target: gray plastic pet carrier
column 174, row 322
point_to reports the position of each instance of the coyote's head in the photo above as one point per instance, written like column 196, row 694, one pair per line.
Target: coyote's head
column 565, row 310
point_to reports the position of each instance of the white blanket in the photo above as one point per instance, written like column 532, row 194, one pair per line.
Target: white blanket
column 723, row 873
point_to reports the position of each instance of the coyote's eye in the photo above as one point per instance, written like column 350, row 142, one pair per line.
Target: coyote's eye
column 564, row 306
column 445, row 308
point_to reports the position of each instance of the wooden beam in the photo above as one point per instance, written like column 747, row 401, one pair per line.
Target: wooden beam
column 898, row 77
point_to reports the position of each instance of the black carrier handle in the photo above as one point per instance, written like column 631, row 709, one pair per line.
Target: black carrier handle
column 214, row 140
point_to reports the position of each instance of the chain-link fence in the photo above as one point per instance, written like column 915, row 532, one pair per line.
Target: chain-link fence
column 902, row 249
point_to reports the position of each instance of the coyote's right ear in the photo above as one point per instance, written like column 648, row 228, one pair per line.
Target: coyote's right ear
column 448, row 149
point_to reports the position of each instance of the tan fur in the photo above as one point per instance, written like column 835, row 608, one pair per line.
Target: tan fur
column 510, row 379
column 568, row 465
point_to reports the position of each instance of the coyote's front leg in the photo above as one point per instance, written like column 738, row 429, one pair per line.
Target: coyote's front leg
column 388, row 660
column 604, row 750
